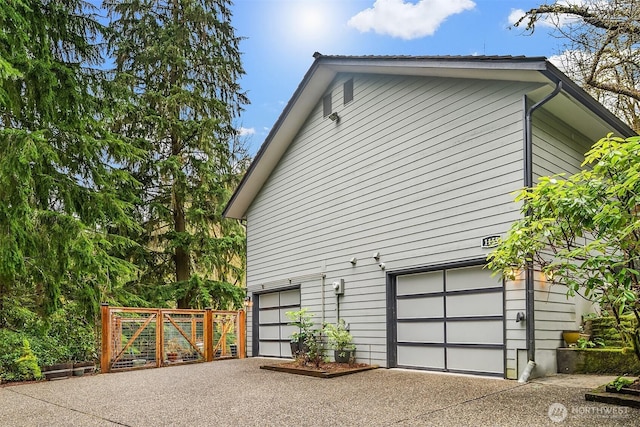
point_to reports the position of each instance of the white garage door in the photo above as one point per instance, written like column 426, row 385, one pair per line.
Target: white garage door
column 450, row 320
column 273, row 331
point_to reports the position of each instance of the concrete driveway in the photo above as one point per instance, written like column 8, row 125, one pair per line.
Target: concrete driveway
column 236, row 392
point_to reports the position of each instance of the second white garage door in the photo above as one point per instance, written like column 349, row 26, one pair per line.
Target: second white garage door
column 450, row 320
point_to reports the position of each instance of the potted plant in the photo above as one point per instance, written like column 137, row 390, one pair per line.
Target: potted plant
column 571, row 337
column 173, row 349
column 341, row 341
column 302, row 319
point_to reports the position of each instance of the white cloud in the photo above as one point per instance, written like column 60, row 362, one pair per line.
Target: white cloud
column 559, row 61
column 406, row 20
column 515, row 15
column 246, row 131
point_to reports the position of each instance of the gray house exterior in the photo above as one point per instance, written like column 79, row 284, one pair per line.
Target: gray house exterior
column 387, row 175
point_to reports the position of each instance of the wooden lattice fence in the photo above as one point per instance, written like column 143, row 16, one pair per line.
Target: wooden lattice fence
column 134, row 338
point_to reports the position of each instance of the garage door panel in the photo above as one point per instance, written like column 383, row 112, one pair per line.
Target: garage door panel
column 291, row 297
column 421, row 357
column 475, row 332
column 425, row 307
column 430, row 332
column 283, row 314
column 270, row 348
column 475, row 304
column 285, row 349
column 420, row 283
column 288, row 330
column 270, row 332
column 269, row 300
column 481, row 360
column 471, row 278
column 269, row 316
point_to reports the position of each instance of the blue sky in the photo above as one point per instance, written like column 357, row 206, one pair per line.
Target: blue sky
column 282, row 35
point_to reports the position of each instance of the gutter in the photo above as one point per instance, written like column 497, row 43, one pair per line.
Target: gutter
column 529, row 274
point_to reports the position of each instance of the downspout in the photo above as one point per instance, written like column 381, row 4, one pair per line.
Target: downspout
column 529, row 273
column 322, row 299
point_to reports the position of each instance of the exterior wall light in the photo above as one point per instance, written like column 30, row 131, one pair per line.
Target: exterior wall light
column 334, row 117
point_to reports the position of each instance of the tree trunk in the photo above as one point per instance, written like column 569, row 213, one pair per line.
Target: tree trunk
column 181, row 257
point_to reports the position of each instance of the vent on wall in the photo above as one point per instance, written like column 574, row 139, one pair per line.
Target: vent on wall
column 347, row 90
column 326, row 105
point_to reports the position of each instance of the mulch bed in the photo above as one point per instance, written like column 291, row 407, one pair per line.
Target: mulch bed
column 325, row 369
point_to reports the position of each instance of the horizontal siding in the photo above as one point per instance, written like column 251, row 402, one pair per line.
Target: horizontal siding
column 419, row 169
column 557, row 148
column 516, row 334
column 554, row 313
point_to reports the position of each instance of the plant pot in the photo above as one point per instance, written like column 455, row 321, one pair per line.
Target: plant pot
column 172, row 357
column 344, row 356
column 571, row 337
column 298, row 347
column 234, row 350
column 78, row 372
column 58, row 371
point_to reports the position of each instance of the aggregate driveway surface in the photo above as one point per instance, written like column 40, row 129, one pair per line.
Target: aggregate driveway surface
column 236, row 392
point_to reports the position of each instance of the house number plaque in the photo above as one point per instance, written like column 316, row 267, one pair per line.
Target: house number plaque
column 490, row 241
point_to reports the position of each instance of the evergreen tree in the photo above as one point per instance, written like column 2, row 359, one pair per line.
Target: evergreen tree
column 177, row 65
column 62, row 198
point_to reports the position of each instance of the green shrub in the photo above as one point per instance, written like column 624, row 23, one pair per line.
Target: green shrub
column 10, row 352
column 74, row 334
column 17, row 360
column 27, row 364
column 66, row 336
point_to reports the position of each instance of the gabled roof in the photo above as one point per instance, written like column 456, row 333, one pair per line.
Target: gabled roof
column 591, row 117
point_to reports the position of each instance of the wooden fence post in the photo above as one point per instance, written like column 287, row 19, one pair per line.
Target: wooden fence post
column 242, row 334
column 105, row 351
column 208, row 335
column 159, row 337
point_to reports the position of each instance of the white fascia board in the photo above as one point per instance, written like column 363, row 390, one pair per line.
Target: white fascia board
column 513, row 70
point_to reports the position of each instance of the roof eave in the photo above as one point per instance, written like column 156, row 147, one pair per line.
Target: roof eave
column 580, row 95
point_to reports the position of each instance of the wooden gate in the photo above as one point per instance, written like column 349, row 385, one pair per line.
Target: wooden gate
column 134, row 338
